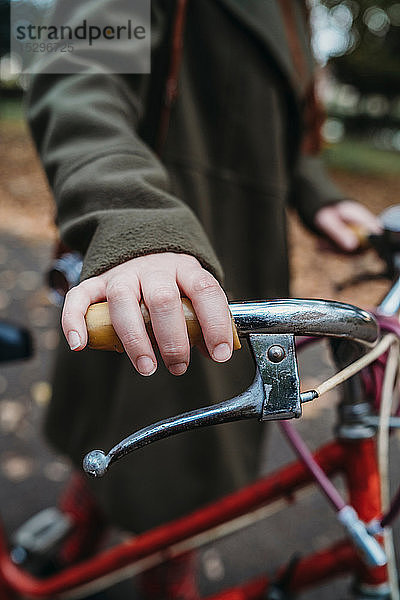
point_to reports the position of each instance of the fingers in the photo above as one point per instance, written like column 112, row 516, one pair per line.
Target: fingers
column 77, row 301
column 329, row 221
column 126, row 317
column 211, row 307
column 335, row 222
column 160, row 280
column 353, row 212
column 163, row 300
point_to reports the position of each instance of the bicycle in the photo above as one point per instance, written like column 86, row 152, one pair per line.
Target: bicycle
column 270, row 328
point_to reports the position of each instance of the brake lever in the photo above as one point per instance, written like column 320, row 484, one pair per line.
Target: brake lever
column 274, row 394
column 246, row 405
column 270, row 327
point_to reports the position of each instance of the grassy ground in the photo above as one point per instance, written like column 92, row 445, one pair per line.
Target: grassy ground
column 11, row 111
column 361, row 158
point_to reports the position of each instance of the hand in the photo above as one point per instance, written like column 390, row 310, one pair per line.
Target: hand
column 158, row 279
column 334, row 221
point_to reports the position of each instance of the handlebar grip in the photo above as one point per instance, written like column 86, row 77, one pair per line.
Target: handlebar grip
column 102, row 335
column 361, row 234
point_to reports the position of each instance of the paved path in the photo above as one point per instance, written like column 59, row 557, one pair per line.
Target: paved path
column 28, row 469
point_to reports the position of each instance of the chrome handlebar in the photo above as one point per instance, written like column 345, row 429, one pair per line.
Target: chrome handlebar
column 270, row 327
column 305, row 317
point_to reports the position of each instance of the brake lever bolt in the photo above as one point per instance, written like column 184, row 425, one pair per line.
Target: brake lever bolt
column 276, row 354
column 308, row 396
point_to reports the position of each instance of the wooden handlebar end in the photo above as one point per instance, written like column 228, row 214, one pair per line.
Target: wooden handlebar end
column 361, row 234
column 102, row 335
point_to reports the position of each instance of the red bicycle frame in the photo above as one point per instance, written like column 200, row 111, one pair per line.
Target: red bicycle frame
column 356, row 460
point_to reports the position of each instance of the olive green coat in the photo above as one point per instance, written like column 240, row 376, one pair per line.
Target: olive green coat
column 231, row 165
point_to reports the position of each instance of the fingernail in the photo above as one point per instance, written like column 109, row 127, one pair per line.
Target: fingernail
column 178, row 369
column 145, row 366
column 221, row 353
column 74, row 340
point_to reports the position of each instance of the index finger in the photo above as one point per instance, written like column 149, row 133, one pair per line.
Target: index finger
column 76, row 303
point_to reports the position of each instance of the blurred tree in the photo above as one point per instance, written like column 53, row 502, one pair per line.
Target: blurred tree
column 371, row 61
column 4, row 27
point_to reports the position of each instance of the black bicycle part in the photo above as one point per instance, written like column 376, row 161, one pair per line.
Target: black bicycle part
column 15, row 342
column 279, row 589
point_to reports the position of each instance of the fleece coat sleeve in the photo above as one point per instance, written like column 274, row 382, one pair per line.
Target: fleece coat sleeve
column 113, row 195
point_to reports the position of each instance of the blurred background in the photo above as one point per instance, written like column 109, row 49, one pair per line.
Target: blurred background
column 357, row 47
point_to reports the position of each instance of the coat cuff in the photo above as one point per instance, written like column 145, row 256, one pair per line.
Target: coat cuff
column 119, row 207
column 313, row 189
column 127, row 234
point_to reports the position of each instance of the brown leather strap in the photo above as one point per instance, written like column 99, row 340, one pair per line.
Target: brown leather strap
column 171, row 87
column 313, row 119
column 293, row 38
column 313, row 113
